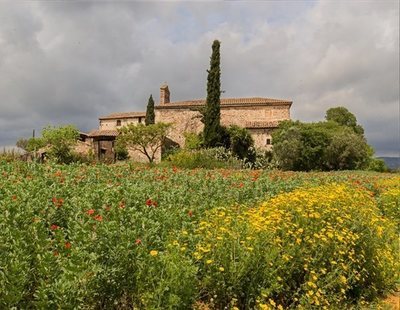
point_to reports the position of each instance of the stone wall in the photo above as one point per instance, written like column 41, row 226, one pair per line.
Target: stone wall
column 109, row 124
column 186, row 120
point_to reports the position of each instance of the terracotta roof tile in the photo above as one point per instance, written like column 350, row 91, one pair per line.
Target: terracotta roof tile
column 103, row 133
column 263, row 124
column 124, row 115
column 227, row 102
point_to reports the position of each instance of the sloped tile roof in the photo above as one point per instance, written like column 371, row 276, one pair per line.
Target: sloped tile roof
column 226, row 102
column 124, row 115
column 103, row 133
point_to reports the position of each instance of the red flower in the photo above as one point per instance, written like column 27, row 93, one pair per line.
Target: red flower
column 90, row 212
column 98, row 217
column 155, row 203
column 14, row 197
column 55, row 253
column 54, row 227
column 138, row 241
column 57, row 202
column 190, row 213
column 149, row 202
column 67, row 245
column 122, row 205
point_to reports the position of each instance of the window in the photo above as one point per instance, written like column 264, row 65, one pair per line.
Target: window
column 118, row 122
column 268, row 141
column 140, row 119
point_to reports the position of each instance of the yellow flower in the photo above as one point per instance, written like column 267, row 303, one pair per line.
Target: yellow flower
column 272, row 302
column 221, row 269
column 209, row 261
column 153, row 253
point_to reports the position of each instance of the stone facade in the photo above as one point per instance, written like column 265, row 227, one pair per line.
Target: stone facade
column 259, row 115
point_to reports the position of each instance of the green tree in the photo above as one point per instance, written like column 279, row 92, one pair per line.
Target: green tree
column 150, row 116
column 344, row 117
column 60, row 141
column 144, row 139
column 241, row 143
column 211, row 114
column 31, row 144
column 319, row 146
column 347, row 151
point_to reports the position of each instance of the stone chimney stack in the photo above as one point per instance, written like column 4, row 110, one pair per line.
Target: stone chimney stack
column 164, row 94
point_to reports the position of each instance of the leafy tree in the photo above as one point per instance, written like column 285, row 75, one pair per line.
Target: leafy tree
column 241, row 143
column 347, row 151
column 145, row 139
column 211, row 114
column 150, row 116
column 32, row 144
column 121, row 152
column 344, row 117
column 60, row 141
column 319, row 146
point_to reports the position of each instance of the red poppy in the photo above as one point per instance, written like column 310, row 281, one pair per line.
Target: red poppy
column 54, row 227
column 14, row 197
column 98, row 217
column 190, row 213
column 58, row 202
column 149, row 202
column 138, row 241
column 67, row 245
column 155, row 203
column 90, row 212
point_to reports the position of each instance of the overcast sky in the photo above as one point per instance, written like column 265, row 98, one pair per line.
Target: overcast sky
column 71, row 62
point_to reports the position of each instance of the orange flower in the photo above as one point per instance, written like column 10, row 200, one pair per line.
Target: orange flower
column 90, row 212
column 98, row 217
column 67, row 245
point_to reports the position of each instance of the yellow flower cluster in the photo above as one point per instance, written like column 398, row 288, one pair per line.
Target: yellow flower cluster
column 325, row 233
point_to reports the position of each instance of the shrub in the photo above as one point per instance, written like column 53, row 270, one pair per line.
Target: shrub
column 192, row 141
column 323, row 246
column 205, row 158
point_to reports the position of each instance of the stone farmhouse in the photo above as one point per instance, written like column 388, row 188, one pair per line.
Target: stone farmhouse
column 259, row 115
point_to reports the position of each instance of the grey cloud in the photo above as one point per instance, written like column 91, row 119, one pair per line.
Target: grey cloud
column 70, row 62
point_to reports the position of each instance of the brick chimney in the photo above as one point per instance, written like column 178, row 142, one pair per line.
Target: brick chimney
column 164, row 94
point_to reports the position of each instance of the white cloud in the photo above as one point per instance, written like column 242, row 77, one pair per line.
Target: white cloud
column 66, row 62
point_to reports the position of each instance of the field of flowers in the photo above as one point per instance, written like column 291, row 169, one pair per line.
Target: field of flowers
column 126, row 236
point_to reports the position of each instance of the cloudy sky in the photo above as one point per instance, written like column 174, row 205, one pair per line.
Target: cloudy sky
column 71, row 62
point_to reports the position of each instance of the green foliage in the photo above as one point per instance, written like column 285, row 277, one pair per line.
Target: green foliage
column 193, row 141
column 377, row 164
column 241, row 143
column 121, row 151
column 344, row 117
column 129, row 237
column 330, row 145
column 150, row 116
column 212, row 113
column 60, row 141
column 212, row 158
column 35, row 144
column 145, row 139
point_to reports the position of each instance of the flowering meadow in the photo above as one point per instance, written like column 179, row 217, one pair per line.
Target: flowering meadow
column 128, row 236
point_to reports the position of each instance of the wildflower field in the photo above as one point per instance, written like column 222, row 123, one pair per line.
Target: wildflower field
column 134, row 237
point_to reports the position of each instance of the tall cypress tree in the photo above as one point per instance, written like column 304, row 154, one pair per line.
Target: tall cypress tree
column 212, row 113
column 150, row 116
